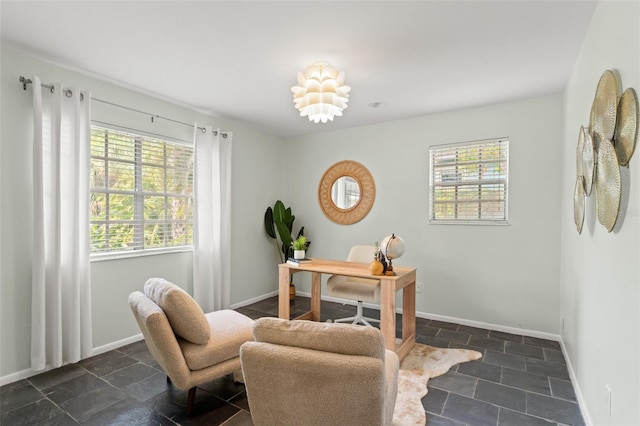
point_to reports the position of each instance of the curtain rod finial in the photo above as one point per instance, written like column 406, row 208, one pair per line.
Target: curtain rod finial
column 24, row 82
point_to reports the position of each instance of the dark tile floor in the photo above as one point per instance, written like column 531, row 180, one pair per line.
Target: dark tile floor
column 519, row 381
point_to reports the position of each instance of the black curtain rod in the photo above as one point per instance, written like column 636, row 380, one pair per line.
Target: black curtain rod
column 26, row 81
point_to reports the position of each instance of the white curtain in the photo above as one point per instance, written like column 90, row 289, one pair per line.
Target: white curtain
column 61, row 290
column 212, row 218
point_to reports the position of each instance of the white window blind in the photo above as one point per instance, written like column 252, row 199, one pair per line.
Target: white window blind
column 469, row 182
column 141, row 192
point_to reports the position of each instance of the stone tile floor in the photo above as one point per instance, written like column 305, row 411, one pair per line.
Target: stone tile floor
column 519, row 381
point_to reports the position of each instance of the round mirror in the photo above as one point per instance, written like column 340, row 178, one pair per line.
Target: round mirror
column 346, row 192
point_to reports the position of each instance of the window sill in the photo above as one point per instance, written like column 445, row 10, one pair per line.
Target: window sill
column 469, row 222
column 100, row 257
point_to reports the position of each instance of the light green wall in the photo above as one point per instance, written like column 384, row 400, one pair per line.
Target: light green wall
column 502, row 275
column 530, row 274
column 256, row 179
column 600, row 299
column 503, row 282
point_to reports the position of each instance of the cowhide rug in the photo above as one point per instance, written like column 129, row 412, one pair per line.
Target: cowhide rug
column 422, row 363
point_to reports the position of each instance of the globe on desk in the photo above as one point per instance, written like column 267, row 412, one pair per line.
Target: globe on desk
column 392, row 247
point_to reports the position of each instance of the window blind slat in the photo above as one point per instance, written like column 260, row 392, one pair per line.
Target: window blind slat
column 469, row 181
column 141, row 192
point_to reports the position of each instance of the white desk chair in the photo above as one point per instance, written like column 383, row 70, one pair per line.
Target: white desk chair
column 353, row 288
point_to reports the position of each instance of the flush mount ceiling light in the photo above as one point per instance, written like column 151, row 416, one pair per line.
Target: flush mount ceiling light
column 321, row 93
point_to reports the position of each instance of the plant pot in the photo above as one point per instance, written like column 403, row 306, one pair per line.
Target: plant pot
column 298, row 254
column 292, row 292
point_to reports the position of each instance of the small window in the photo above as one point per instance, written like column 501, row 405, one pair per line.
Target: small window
column 469, row 182
column 141, row 192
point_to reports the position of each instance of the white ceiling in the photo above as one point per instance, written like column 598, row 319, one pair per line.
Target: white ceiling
column 239, row 59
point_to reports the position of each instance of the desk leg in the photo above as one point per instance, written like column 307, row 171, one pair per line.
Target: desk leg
column 284, row 307
column 388, row 314
column 315, row 295
column 409, row 312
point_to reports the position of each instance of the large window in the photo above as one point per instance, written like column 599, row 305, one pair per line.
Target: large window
column 469, row 182
column 141, row 192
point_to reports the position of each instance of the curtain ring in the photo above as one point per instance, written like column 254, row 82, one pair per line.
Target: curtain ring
column 68, row 93
column 53, row 89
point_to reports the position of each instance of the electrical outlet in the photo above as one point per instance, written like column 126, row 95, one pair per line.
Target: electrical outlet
column 418, row 287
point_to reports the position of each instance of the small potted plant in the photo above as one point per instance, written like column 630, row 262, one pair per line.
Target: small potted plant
column 299, row 245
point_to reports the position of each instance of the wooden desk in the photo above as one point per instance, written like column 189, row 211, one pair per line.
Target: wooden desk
column 404, row 280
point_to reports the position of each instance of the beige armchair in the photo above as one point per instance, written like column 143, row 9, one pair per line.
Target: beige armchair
column 310, row 373
column 192, row 347
column 354, row 288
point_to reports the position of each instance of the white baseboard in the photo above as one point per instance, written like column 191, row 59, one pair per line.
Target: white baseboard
column 490, row 326
column 470, row 323
column 25, row 374
column 576, row 387
column 115, row 345
column 253, row 300
column 20, row 375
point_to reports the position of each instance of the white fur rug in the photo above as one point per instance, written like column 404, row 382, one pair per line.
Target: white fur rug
column 422, row 363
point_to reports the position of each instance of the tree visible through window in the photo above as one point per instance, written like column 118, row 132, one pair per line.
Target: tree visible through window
column 469, row 182
column 141, row 192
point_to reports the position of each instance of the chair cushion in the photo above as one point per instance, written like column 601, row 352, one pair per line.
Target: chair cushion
column 354, row 289
column 228, row 330
column 185, row 316
column 344, row 339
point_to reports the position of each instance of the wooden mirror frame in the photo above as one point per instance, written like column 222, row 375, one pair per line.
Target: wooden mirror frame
column 367, row 186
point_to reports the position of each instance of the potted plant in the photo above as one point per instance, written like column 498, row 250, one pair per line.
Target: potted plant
column 278, row 223
column 299, row 245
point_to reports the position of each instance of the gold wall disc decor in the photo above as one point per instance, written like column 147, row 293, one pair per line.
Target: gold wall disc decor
column 578, row 204
column 588, row 161
column 604, row 107
column 627, row 126
column 608, row 185
column 335, row 176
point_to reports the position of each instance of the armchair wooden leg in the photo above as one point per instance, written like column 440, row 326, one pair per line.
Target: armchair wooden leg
column 190, row 400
